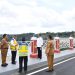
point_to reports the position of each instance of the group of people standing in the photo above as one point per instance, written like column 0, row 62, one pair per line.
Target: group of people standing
column 4, row 49
column 22, row 47
column 14, row 46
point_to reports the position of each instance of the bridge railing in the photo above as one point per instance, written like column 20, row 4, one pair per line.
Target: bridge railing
column 64, row 43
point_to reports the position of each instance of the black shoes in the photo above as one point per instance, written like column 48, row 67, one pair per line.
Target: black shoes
column 25, row 72
column 40, row 58
column 21, row 72
column 4, row 65
column 50, row 70
column 14, row 62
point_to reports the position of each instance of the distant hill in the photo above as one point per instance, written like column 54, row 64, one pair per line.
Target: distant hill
column 44, row 35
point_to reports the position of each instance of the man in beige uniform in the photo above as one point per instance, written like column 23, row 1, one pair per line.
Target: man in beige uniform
column 4, row 49
column 50, row 53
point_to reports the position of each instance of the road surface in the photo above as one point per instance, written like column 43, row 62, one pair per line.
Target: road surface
column 66, row 67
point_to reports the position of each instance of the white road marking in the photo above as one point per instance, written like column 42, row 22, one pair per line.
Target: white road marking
column 47, row 67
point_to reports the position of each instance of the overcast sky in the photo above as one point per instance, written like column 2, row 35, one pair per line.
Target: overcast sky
column 22, row 16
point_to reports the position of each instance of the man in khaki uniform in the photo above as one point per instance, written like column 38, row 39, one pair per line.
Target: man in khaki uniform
column 4, row 49
column 50, row 53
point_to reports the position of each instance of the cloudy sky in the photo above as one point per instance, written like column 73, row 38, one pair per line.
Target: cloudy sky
column 22, row 16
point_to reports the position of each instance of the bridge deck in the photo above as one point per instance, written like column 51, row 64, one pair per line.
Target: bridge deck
column 32, row 61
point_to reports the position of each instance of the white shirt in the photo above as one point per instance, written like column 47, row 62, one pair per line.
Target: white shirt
column 12, row 42
column 39, row 41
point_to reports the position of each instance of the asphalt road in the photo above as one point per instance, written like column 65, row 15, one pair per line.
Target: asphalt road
column 66, row 68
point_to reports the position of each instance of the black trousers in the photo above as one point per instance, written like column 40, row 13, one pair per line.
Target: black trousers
column 21, row 60
column 39, row 52
column 13, row 56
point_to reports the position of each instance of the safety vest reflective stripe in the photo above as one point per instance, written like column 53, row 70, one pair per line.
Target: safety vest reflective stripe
column 23, row 54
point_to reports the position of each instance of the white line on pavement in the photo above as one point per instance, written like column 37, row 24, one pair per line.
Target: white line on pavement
column 47, row 67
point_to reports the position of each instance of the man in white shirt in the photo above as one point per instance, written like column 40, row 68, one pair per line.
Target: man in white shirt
column 39, row 46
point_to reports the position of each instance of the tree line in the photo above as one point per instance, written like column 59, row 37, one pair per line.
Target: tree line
column 44, row 35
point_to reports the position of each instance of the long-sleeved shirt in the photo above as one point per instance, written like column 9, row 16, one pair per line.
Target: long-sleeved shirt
column 39, row 42
column 4, row 44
